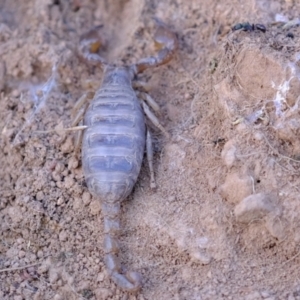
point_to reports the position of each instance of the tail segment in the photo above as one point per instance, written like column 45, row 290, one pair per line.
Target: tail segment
column 131, row 281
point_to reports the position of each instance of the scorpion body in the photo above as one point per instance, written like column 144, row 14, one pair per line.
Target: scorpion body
column 112, row 154
column 114, row 142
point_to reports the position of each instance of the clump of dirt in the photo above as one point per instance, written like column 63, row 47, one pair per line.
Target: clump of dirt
column 223, row 222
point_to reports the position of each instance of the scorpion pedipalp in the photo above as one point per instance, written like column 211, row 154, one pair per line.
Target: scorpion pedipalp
column 89, row 46
column 165, row 42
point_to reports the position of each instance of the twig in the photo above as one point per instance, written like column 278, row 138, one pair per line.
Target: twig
column 20, row 268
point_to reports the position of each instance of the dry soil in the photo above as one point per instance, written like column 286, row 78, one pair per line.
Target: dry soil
column 224, row 221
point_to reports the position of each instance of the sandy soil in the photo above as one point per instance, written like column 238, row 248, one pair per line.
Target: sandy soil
column 224, row 221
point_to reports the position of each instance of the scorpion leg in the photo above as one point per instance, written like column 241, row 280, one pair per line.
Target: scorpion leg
column 131, row 281
column 79, row 109
column 149, row 148
column 154, row 119
column 165, row 42
column 138, row 84
column 78, row 140
column 151, row 102
column 90, row 43
column 76, row 113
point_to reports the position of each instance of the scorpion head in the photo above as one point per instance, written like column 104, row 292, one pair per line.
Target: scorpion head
column 117, row 75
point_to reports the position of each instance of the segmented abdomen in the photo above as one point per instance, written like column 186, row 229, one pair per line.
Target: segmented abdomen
column 113, row 143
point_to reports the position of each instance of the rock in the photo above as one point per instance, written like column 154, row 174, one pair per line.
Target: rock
column 236, row 187
column 254, row 207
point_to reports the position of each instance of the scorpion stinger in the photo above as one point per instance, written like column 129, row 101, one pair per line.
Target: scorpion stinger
column 165, row 42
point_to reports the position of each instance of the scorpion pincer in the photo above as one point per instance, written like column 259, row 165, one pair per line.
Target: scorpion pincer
column 115, row 138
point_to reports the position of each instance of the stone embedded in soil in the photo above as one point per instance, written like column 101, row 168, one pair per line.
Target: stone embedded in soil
column 228, row 154
column 86, row 198
column 236, row 187
column 276, row 226
column 254, row 207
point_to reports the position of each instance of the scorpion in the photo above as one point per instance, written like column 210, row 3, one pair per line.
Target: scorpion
column 115, row 139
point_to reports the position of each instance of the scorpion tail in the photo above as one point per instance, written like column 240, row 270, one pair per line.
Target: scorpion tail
column 131, row 281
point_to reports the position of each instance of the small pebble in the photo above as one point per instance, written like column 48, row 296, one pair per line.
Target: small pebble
column 229, row 154
column 40, row 254
column 67, row 146
column 73, row 163
column 63, row 236
column 95, row 207
column 20, row 241
column 86, row 198
column 69, row 182
column 258, row 136
column 60, row 201
column 15, row 93
column 40, row 195
column 187, row 96
column 100, row 277
column 22, row 254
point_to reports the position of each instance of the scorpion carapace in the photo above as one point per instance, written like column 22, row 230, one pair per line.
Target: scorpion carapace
column 115, row 139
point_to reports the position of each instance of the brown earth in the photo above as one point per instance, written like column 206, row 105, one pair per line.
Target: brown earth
column 224, row 222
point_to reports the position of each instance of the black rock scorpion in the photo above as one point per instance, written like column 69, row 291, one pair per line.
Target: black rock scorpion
column 115, row 138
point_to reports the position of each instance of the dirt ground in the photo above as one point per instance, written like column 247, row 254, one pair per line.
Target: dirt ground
column 224, row 221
